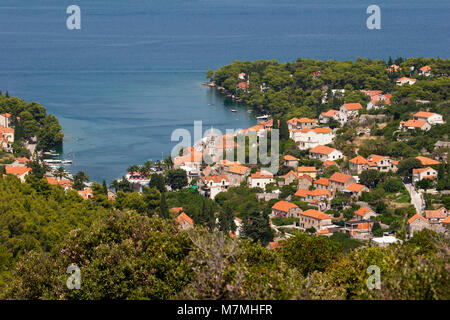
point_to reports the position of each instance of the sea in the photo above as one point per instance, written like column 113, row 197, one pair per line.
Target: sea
column 133, row 73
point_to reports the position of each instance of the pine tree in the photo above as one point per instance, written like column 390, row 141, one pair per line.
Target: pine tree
column 7, row 94
column 163, row 208
column 105, row 188
column 226, row 220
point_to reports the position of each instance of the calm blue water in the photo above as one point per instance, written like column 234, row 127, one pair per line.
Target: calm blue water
column 123, row 83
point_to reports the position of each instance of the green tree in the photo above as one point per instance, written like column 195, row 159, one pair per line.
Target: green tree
column 177, row 179
column 226, row 220
column 79, row 180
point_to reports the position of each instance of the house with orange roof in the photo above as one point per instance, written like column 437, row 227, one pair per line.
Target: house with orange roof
column 20, row 171
column 310, row 138
column 364, row 213
column 322, row 183
column 351, row 110
column 424, row 173
column 380, row 163
column 414, row 124
column 290, row 161
column 417, row 223
column 86, row 193
column 427, row 161
column 260, row 179
column 213, row 185
column 64, row 183
column 5, row 120
column 339, row 181
column 285, row 209
column 436, row 218
column 329, row 163
column 394, row 68
column 359, row 229
column 304, row 181
column 314, row 219
column 274, row 245
column 7, row 134
column 192, row 160
column 302, row 123
column 333, row 114
column 184, row 221
column 237, row 173
column 357, row 164
column 405, row 80
column 430, row 117
column 290, row 177
column 446, row 223
column 325, row 153
column 355, row 189
column 242, row 76
column 243, row 86
column 310, row 171
column 379, row 101
column 425, row 71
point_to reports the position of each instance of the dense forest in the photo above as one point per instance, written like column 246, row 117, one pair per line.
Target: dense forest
column 30, row 120
column 296, row 89
column 124, row 254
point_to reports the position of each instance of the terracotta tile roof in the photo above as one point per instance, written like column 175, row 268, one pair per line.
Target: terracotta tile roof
column 406, row 79
column 275, row 245
column 322, row 150
column 305, row 176
column 18, row 171
column 322, row 130
column 372, row 93
column 306, row 120
column 177, row 209
column 215, row 179
column 184, row 217
column 238, row 169
column 376, row 158
column 427, row 161
column 323, row 231
column 320, row 192
column 244, row 85
column 23, row 160
column 358, row 160
column 420, row 170
column 362, row 211
column 446, row 220
column 423, row 114
column 340, row 177
column 435, row 214
column 323, row 181
column 355, row 187
column 284, row 206
column 414, row 123
column 425, row 68
column 416, row 216
column 6, row 115
column 6, row 130
column 353, row 106
column 61, row 182
column 329, row 163
column 330, row 113
column 261, row 175
column 306, row 169
column 290, row 173
column 302, row 193
column 86, row 193
column 315, row 214
column 290, row 158
column 364, row 226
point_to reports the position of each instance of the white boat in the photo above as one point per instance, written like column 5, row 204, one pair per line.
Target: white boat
column 264, row 117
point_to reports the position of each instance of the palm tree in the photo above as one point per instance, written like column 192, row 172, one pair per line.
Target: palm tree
column 115, row 185
column 168, row 162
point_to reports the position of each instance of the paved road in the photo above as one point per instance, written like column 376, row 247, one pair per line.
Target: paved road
column 416, row 198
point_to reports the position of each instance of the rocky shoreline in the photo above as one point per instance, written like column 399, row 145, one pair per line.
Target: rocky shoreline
column 223, row 91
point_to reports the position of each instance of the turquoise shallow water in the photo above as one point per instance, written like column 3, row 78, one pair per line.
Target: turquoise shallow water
column 133, row 74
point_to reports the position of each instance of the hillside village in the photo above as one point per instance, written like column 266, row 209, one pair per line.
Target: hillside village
column 337, row 172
